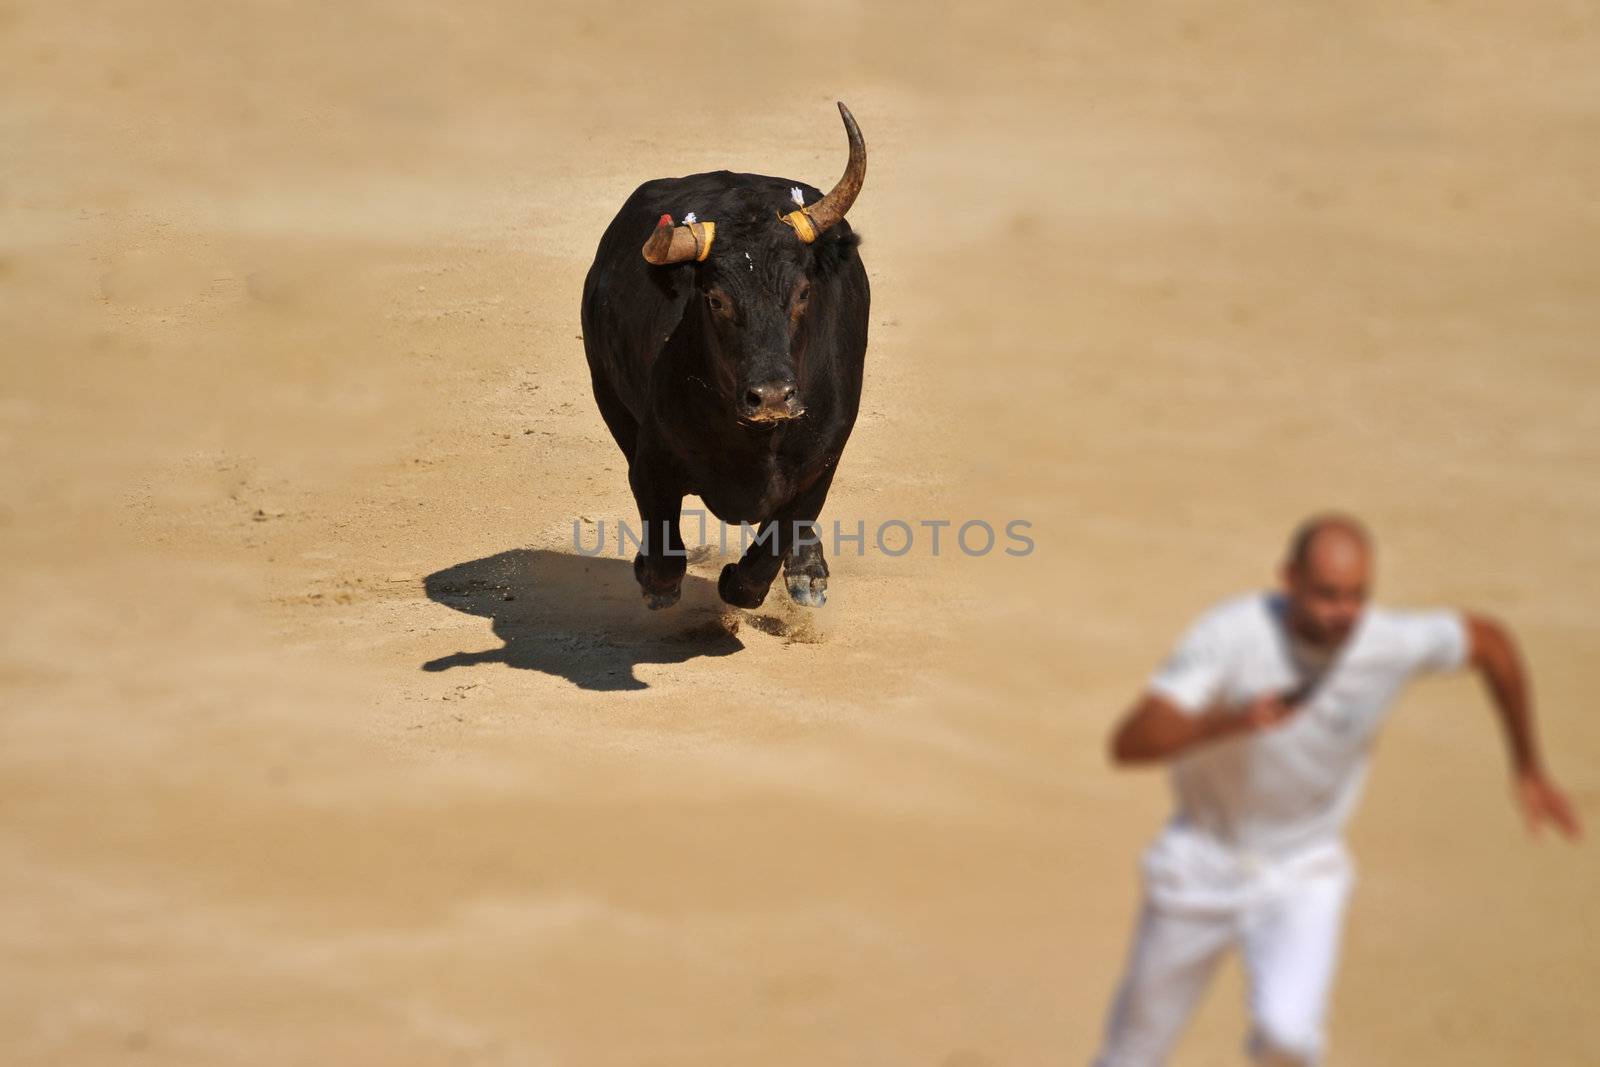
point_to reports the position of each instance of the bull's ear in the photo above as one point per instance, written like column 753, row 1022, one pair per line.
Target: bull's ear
column 676, row 294
column 834, row 251
column 679, row 244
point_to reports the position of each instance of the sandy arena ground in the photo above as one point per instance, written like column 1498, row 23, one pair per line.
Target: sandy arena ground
column 319, row 745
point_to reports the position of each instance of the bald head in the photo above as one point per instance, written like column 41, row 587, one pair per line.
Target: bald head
column 1327, row 576
column 1331, row 536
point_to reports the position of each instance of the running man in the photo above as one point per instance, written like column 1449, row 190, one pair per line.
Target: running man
column 1267, row 710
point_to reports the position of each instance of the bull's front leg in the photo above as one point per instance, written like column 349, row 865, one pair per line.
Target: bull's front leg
column 790, row 540
column 805, row 569
column 662, row 560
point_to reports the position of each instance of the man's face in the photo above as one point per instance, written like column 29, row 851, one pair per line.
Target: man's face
column 1328, row 589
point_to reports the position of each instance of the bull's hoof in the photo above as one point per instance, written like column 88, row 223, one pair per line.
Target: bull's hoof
column 807, row 591
column 659, row 591
column 657, row 601
column 735, row 592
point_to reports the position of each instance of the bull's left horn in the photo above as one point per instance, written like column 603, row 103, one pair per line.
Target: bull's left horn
column 830, row 209
column 679, row 244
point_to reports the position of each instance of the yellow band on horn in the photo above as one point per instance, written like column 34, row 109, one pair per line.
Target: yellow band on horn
column 710, row 229
column 801, row 222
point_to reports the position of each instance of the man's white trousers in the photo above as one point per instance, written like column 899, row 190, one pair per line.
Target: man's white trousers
column 1200, row 901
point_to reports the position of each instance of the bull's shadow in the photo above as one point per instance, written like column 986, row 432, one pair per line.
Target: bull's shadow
column 577, row 617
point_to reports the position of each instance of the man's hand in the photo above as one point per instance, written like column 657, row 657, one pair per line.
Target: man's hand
column 1493, row 652
column 1541, row 802
column 1269, row 710
column 1155, row 729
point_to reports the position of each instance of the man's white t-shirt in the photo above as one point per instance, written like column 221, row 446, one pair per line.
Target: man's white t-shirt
column 1288, row 789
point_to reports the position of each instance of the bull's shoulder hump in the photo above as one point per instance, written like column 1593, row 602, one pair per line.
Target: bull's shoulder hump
column 717, row 181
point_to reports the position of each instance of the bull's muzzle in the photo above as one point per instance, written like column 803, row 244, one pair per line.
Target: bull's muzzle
column 774, row 401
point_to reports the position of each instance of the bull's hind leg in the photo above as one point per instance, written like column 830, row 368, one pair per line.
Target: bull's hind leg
column 805, row 569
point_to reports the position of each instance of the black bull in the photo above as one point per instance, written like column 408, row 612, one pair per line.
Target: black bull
column 727, row 362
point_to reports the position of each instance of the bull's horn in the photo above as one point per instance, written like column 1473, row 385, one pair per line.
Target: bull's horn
column 810, row 221
column 679, row 244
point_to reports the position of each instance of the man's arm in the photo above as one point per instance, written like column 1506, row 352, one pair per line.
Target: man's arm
column 1155, row 729
column 1493, row 655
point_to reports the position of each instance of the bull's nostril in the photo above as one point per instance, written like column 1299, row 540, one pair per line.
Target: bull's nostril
column 752, row 400
column 788, row 394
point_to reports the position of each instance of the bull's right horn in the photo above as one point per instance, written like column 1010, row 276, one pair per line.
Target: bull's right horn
column 679, row 244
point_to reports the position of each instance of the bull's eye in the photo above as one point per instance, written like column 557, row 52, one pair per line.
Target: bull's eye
column 802, row 295
column 715, row 302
